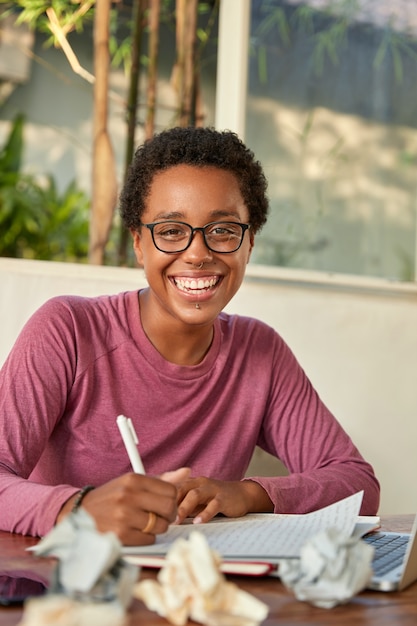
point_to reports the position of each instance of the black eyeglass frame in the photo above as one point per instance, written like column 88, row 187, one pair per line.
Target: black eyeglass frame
column 195, row 229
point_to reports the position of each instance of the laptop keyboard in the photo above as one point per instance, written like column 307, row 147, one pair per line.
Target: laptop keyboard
column 389, row 551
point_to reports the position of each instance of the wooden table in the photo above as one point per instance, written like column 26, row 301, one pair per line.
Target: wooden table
column 369, row 608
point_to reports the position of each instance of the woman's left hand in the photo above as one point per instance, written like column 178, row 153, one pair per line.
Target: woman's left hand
column 204, row 498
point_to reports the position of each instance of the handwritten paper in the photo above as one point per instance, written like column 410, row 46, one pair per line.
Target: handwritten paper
column 262, row 536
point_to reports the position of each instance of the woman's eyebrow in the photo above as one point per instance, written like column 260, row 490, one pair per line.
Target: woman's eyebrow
column 225, row 213
column 171, row 215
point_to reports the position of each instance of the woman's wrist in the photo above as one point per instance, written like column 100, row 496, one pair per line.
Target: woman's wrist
column 73, row 503
column 79, row 497
column 257, row 498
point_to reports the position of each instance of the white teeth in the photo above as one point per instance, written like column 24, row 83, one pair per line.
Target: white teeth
column 197, row 286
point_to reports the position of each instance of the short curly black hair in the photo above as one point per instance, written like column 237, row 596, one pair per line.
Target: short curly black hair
column 199, row 147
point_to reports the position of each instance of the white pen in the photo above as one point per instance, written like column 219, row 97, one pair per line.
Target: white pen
column 131, row 441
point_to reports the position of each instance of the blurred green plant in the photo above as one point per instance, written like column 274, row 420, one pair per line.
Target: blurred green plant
column 36, row 220
column 327, row 26
column 123, row 29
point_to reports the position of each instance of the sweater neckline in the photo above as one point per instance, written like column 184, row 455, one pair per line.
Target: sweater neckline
column 154, row 357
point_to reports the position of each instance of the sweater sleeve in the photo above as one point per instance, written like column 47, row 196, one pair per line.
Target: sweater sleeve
column 33, row 389
column 323, row 463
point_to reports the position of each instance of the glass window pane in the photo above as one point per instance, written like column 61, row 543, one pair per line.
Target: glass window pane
column 332, row 115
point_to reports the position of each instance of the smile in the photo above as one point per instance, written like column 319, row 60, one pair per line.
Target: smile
column 196, row 286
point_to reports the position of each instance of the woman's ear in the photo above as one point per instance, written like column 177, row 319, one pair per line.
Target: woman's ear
column 251, row 245
column 137, row 246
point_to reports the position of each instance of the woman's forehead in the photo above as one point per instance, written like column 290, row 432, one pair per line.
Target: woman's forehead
column 184, row 189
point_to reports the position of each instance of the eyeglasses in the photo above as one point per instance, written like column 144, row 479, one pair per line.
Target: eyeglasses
column 172, row 237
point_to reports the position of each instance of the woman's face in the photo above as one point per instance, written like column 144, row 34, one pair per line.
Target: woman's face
column 196, row 196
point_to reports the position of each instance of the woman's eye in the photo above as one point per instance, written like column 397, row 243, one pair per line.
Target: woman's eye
column 224, row 231
column 219, row 231
column 171, row 232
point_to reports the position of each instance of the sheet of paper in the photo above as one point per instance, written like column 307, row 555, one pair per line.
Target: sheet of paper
column 365, row 524
column 262, row 536
column 240, row 567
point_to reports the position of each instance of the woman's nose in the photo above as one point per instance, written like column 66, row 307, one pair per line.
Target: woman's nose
column 198, row 250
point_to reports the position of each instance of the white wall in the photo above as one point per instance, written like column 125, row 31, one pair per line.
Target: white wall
column 356, row 339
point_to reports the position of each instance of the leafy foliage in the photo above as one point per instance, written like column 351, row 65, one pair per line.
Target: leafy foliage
column 36, row 221
column 328, row 27
column 71, row 15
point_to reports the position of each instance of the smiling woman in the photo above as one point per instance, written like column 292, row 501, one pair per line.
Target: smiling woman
column 190, row 272
column 195, row 381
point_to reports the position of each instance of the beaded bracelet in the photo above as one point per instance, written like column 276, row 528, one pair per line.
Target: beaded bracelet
column 81, row 495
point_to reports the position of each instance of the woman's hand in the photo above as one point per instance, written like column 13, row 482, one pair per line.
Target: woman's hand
column 125, row 506
column 203, row 498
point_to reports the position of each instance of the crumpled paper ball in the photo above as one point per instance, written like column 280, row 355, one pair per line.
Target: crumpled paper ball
column 332, row 569
column 90, row 581
column 52, row 610
column 191, row 586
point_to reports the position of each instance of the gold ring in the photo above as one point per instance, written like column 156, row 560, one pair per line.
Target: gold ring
column 151, row 523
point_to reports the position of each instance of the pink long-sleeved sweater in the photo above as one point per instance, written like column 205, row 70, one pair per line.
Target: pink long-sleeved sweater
column 80, row 362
